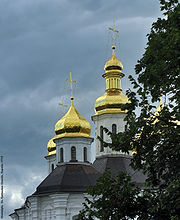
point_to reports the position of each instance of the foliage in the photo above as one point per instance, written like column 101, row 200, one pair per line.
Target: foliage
column 114, row 198
column 154, row 136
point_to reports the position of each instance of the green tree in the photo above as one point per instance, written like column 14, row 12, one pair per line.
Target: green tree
column 114, row 198
column 156, row 137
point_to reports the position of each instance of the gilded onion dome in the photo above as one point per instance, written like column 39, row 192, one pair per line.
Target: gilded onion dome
column 113, row 62
column 113, row 98
column 72, row 124
column 51, row 146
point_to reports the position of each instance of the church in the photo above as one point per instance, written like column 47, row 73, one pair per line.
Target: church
column 61, row 194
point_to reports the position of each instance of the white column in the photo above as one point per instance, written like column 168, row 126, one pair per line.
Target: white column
column 34, row 208
column 60, row 205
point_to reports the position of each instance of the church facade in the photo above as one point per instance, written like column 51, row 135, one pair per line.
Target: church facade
column 61, row 194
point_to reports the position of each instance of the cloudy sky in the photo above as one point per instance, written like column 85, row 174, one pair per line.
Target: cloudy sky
column 41, row 41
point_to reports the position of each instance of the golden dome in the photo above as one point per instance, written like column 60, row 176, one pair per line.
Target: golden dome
column 52, row 153
column 72, row 124
column 113, row 63
column 51, row 146
column 113, row 98
column 110, row 102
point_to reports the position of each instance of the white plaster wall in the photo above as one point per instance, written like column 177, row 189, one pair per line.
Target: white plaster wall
column 51, row 160
column 79, row 142
column 61, row 206
column 106, row 120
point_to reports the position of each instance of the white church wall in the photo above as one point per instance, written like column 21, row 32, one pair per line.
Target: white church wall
column 107, row 120
column 51, row 160
column 75, row 204
column 63, row 206
column 79, row 143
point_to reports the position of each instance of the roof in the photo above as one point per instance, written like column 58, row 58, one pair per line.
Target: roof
column 68, row 178
column 76, row 177
column 117, row 163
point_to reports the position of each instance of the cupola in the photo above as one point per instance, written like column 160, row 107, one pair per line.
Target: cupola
column 113, row 98
column 72, row 124
column 51, row 147
column 113, row 63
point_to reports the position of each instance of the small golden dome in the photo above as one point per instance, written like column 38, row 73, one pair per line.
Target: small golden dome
column 51, row 146
column 113, row 63
column 72, row 124
column 113, row 98
column 110, row 102
column 52, row 153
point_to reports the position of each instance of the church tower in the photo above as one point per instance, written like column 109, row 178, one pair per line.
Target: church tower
column 62, row 193
column 51, row 157
column 108, row 112
column 72, row 141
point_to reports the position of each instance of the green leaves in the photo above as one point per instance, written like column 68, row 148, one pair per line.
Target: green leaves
column 114, row 198
column 168, row 5
column 154, row 134
column 158, row 69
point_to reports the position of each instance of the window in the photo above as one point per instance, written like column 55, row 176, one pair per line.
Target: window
column 114, row 128
column 61, row 155
column 102, row 137
column 52, row 167
column 75, row 217
column 125, row 127
column 85, row 154
column 73, row 153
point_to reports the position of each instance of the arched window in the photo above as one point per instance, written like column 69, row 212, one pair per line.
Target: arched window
column 102, row 137
column 73, row 153
column 114, row 128
column 85, row 154
column 61, row 155
column 52, row 167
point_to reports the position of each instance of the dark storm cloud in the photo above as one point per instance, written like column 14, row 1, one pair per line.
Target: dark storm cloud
column 41, row 41
column 38, row 36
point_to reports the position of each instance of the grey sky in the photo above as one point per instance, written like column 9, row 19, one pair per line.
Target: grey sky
column 41, row 41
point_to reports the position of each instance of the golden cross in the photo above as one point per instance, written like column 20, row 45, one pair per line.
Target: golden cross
column 113, row 30
column 62, row 104
column 71, row 82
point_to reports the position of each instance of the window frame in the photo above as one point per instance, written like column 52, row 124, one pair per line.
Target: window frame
column 73, row 154
column 102, row 137
column 114, row 129
column 61, row 155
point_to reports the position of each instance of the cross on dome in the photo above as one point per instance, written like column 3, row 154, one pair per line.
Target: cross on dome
column 71, row 82
column 62, row 104
column 113, row 30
